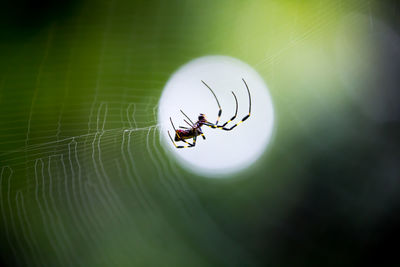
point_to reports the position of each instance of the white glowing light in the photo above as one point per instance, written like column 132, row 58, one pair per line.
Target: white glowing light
column 223, row 152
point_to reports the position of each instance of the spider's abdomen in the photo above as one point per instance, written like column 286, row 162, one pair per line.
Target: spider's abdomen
column 182, row 134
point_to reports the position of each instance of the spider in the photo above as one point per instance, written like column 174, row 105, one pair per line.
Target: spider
column 194, row 129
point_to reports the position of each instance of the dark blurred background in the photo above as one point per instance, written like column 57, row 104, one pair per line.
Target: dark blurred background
column 85, row 180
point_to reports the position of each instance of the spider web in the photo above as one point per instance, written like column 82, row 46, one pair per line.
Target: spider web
column 84, row 179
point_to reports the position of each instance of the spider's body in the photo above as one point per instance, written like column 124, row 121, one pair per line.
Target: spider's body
column 187, row 134
column 193, row 131
column 195, row 128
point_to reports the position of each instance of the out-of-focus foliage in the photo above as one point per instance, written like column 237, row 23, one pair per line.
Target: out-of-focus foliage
column 85, row 181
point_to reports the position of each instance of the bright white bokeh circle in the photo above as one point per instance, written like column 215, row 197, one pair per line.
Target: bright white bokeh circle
column 223, row 152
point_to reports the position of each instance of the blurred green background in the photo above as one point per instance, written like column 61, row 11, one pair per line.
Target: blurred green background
column 86, row 182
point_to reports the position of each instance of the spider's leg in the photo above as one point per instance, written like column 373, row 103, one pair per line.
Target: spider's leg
column 189, row 144
column 183, row 140
column 201, row 133
column 219, row 106
column 194, row 141
column 248, row 91
column 173, row 142
column 211, row 125
column 234, row 116
column 225, row 128
column 176, row 132
column 192, row 125
column 244, row 118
